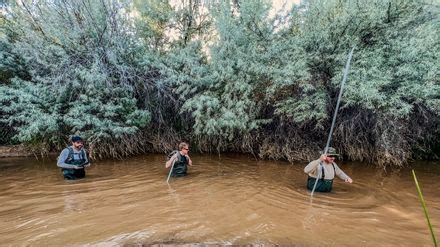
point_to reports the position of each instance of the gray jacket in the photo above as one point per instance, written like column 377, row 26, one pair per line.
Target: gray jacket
column 76, row 156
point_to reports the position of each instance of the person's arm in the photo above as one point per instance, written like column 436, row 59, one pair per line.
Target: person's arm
column 342, row 175
column 190, row 163
column 170, row 162
column 63, row 156
column 311, row 167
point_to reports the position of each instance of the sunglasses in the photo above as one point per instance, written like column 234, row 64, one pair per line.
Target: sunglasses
column 186, row 148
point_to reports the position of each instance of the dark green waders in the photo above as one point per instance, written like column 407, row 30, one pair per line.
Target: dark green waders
column 72, row 174
column 180, row 166
column 323, row 185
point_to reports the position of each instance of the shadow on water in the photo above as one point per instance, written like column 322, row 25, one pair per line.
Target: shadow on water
column 226, row 200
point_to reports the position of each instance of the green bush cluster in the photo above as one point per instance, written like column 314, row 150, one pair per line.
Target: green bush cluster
column 225, row 76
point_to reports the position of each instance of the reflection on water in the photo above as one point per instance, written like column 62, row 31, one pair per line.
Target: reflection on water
column 232, row 199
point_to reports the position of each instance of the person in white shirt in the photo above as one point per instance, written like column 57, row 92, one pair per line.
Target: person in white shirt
column 326, row 168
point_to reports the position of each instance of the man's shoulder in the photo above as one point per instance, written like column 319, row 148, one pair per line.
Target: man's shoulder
column 64, row 154
column 177, row 155
column 172, row 154
column 318, row 161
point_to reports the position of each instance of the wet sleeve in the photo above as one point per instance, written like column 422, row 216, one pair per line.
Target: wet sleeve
column 63, row 156
column 340, row 173
column 311, row 167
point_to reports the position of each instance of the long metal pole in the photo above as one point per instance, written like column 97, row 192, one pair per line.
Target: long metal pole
column 171, row 170
column 347, row 67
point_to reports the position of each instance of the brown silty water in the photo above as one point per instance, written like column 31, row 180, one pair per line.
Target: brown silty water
column 227, row 200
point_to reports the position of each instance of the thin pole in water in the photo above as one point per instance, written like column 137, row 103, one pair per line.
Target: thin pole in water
column 419, row 190
column 171, row 170
column 347, row 67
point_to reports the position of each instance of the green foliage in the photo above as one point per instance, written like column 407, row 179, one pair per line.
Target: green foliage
column 226, row 102
column 82, row 79
column 305, row 107
column 11, row 65
column 105, row 113
column 96, row 112
column 31, row 109
column 228, row 75
column 152, row 22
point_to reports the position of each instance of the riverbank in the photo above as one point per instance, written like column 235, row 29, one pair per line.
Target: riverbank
column 14, row 151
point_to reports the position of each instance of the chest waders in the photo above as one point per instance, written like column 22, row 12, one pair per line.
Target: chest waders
column 323, row 185
column 180, row 166
column 72, row 174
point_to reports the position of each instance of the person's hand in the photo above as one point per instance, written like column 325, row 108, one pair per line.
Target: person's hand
column 349, row 180
column 87, row 165
column 323, row 157
column 78, row 167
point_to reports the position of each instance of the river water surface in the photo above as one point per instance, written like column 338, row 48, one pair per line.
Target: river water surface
column 227, row 200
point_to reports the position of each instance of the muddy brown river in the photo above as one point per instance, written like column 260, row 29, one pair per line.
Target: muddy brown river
column 227, row 200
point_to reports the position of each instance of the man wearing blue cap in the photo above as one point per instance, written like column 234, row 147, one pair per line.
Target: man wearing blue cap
column 73, row 159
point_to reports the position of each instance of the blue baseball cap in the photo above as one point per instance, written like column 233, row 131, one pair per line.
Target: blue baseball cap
column 76, row 139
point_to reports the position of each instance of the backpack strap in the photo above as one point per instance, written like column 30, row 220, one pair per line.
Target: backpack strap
column 323, row 172
column 178, row 157
column 172, row 154
column 83, row 154
column 70, row 155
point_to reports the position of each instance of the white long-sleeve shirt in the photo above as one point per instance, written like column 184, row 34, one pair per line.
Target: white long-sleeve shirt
column 312, row 170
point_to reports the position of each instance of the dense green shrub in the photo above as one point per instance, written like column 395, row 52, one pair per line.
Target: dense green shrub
column 225, row 76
